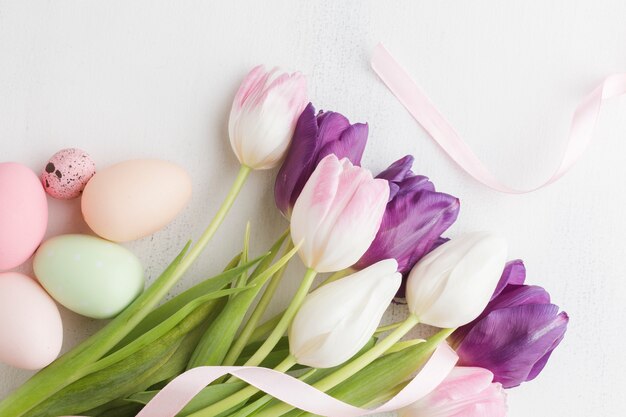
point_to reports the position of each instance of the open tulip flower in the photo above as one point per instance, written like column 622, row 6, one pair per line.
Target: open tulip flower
column 466, row 392
column 337, row 215
column 316, row 136
column 415, row 217
column 263, row 116
column 452, row 285
column 516, row 333
column 336, row 320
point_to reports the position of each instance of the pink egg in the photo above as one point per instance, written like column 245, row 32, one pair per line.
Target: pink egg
column 23, row 214
column 67, row 173
column 31, row 331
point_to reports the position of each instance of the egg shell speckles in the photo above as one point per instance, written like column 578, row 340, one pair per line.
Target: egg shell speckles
column 67, row 173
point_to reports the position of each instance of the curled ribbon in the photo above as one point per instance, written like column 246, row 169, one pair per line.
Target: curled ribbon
column 427, row 115
column 173, row 398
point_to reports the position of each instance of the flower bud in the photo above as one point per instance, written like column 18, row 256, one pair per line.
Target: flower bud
column 452, row 285
column 263, row 116
column 337, row 320
column 337, row 215
column 466, row 392
column 415, row 217
column 516, row 333
column 315, row 137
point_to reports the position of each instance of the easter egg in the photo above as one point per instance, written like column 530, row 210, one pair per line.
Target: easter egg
column 67, row 172
column 88, row 275
column 23, row 214
column 31, row 332
column 134, row 199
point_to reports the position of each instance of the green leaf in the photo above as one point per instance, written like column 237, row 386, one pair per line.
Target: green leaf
column 216, row 342
column 161, row 313
column 161, row 329
column 244, row 256
column 128, row 375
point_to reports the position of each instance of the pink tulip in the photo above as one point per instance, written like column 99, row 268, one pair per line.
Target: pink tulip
column 337, row 215
column 466, row 392
column 264, row 115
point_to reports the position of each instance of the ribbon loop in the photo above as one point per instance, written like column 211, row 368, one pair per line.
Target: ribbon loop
column 435, row 124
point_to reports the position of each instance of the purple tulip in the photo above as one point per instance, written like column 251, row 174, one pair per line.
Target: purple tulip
column 516, row 334
column 315, row 137
column 415, row 217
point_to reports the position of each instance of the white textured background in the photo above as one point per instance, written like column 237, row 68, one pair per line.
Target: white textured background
column 126, row 79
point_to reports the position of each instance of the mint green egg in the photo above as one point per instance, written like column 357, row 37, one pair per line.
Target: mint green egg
column 88, row 275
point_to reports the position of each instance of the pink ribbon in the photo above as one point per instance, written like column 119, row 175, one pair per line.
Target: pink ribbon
column 427, row 115
column 173, row 398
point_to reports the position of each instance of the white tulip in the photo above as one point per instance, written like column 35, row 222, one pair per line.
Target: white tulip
column 337, row 320
column 264, row 115
column 337, row 215
column 452, row 285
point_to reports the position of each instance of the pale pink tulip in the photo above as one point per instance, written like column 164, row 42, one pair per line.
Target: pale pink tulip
column 337, row 215
column 264, row 114
column 466, row 392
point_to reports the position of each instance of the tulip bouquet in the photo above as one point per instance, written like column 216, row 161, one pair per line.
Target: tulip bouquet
column 379, row 237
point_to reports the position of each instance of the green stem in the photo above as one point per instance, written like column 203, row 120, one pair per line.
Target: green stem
column 240, row 396
column 261, row 331
column 258, row 312
column 217, row 220
column 387, row 328
column 285, row 320
column 267, row 327
column 351, row 368
column 338, row 275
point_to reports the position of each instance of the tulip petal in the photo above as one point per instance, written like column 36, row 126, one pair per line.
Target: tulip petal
column 351, row 144
column 452, row 285
column 337, row 320
column 411, row 225
column 356, row 217
column 541, row 363
column 331, row 127
column 514, row 273
column 510, row 341
column 313, row 205
column 299, row 156
column 263, row 116
column 466, row 392
column 399, row 170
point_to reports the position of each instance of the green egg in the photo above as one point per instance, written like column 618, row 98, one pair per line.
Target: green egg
column 88, row 275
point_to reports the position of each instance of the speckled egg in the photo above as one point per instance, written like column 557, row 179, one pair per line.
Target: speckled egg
column 66, row 174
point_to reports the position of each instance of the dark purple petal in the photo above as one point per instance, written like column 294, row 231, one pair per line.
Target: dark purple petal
column 517, row 295
column 398, row 170
column 541, row 363
column 300, row 154
column 351, row 144
column 514, row 273
column 415, row 184
column 513, row 342
column 513, row 295
column 331, row 127
column 412, row 223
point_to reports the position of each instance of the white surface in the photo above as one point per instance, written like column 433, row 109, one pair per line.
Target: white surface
column 155, row 79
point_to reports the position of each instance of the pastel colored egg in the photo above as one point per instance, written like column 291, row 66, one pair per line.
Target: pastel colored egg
column 23, row 214
column 31, row 331
column 89, row 275
column 67, row 173
column 134, row 199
